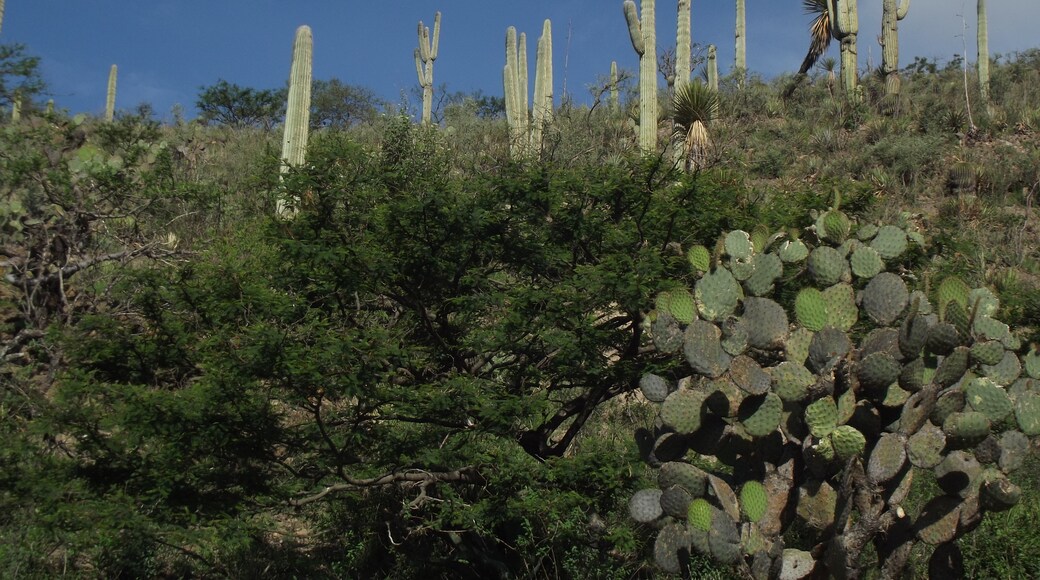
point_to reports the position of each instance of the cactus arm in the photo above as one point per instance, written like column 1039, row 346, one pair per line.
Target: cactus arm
column 983, row 57
column 436, row 35
column 713, row 68
column 110, row 99
column 890, row 44
column 1, row 14
column 522, row 86
column 634, row 31
column 424, row 42
column 298, row 108
column 682, row 45
column 741, row 37
column 418, row 67
column 548, row 84
column 614, row 96
column 904, row 7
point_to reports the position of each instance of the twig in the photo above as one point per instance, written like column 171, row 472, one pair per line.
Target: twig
column 466, row 474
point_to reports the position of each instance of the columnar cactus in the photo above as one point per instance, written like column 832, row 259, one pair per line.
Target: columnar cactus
column 424, row 57
column 298, row 108
column 110, row 99
column 845, row 27
column 682, row 45
column 713, row 69
column 983, row 57
column 514, row 76
column 542, row 107
column 1, row 14
column 799, row 421
column 615, row 99
column 741, row 42
column 16, row 108
column 892, row 12
column 642, row 31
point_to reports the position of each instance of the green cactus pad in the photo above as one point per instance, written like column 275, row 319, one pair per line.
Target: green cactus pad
column 766, row 322
column 681, row 305
column 925, row 447
column 846, row 406
column 700, row 513
column 797, row 348
column 717, row 294
column 950, row 401
column 746, row 373
column 1006, row 371
column 724, row 397
column 1031, row 362
column 666, row 332
column 791, row 381
column 655, row 388
column 682, row 411
column 848, row 442
column 810, row 309
column 699, row 258
column 842, row 312
column 866, row 262
column 675, row 501
column 987, row 352
column 952, row 289
column 735, row 336
column 671, row 540
column 877, row 371
column 827, row 346
column 914, row 332
column 958, row 473
column 793, row 251
column 866, row 232
column 761, row 415
column 689, row 477
column 956, row 315
column 835, row 226
column 703, row 349
column 645, row 505
column 738, row 245
column 952, row 368
column 826, row 265
column 887, row 458
column 741, row 269
column 966, row 429
column 753, row 500
column 914, row 375
column 894, row 397
column 885, row 297
column 987, row 397
column 890, row 242
column 1014, row 448
column 938, row 521
column 767, row 268
column 1027, row 413
column 822, row 417
column 984, row 301
column 942, row 339
column 916, row 409
column 724, row 539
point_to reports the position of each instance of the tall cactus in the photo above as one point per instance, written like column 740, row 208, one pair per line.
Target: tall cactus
column 892, row 12
column 16, row 108
column 845, row 26
column 741, row 42
column 110, row 99
column 298, row 109
column 542, row 107
column 1, row 14
column 424, row 57
column 615, row 100
column 682, row 45
column 514, row 80
column 713, row 68
column 642, row 31
column 983, row 59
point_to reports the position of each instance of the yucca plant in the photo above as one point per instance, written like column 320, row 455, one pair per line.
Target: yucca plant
column 694, row 107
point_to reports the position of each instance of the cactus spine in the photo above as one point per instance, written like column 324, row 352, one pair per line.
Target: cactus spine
column 892, row 12
column 424, row 57
column 643, row 34
column 983, row 59
column 110, row 100
column 741, row 42
column 845, row 25
column 614, row 96
column 682, row 45
column 298, row 109
column 713, row 69
column 541, row 108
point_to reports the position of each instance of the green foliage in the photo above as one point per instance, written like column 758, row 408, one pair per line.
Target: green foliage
column 229, row 104
column 19, row 74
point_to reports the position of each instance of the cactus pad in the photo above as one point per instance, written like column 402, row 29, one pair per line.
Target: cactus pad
column 655, row 388
column 738, row 245
column 700, row 513
column 885, row 297
column 753, row 500
column 1027, row 413
column 866, row 262
column 761, row 415
column 890, row 242
column 848, row 442
column 683, row 410
column 924, row 448
column 689, row 477
column 703, row 348
column 793, row 251
column 671, row 541
column 822, row 417
column 985, row 396
column 766, row 322
column 699, row 258
column 826, row 265
column 887, row 458
column 792, row 381
column 645, row 505
column 717, row 294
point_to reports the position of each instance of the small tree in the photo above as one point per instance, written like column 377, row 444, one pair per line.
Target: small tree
column 229, row 104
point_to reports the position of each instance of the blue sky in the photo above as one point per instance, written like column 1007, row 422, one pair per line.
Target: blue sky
column 167, row 49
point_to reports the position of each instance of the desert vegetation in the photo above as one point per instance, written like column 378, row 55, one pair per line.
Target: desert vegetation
column 756, row 328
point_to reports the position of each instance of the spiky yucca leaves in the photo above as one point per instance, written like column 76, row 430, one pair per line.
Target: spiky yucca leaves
column 819, row 40
column 829, row 420
column 695, row 106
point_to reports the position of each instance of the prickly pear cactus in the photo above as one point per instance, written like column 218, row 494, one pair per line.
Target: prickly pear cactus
column 818, row 380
